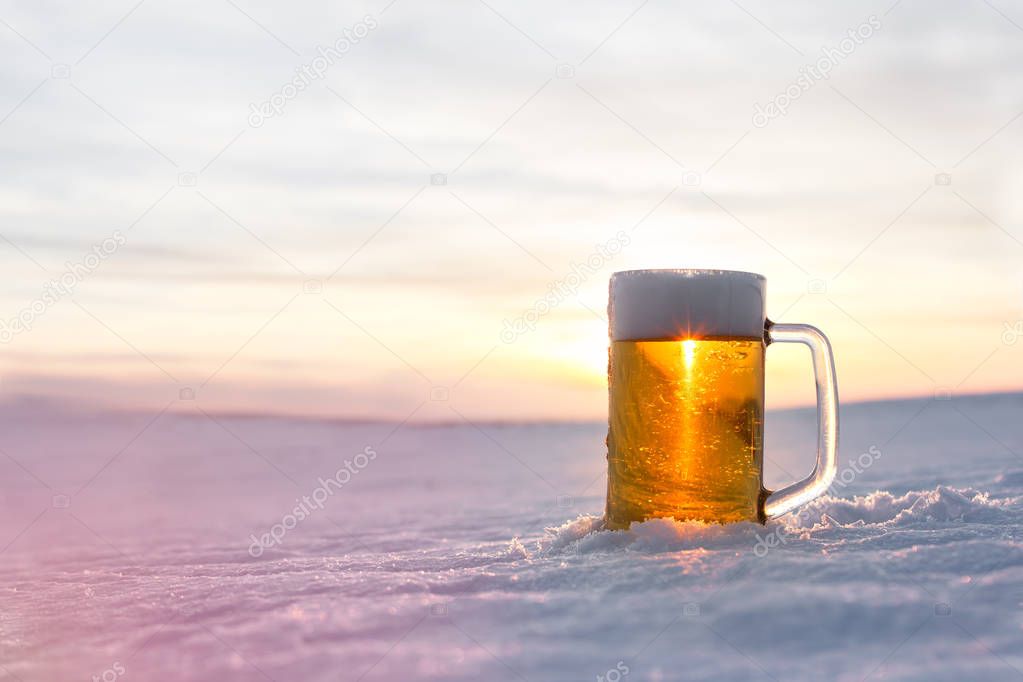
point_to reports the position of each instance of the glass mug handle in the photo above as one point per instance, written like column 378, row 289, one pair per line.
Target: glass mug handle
column 788, row 498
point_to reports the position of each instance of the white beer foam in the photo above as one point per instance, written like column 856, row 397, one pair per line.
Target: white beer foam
column 678, row 304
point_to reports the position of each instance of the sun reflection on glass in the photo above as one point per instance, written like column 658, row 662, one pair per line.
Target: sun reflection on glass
column 689, row 351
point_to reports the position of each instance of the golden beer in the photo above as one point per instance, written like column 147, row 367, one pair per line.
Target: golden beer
column 685, row 435
column 685, row 430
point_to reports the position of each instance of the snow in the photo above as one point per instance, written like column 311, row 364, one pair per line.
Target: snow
column 477, row 552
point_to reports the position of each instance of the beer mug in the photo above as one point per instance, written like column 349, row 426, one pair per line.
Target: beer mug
column 686, row 399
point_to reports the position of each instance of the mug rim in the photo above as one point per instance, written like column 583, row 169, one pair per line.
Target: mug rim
column 690, row 273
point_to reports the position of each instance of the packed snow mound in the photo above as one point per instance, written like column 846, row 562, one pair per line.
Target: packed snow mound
column 880, row 509
column 586, row 534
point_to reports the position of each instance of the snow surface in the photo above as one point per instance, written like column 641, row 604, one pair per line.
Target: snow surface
column 476, row 552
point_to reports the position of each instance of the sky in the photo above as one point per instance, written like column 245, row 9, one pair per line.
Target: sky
column 244, row 225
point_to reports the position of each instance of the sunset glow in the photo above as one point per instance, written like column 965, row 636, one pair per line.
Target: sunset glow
column 345, row 258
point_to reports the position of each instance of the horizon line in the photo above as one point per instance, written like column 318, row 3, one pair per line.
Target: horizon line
column 490, row 421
